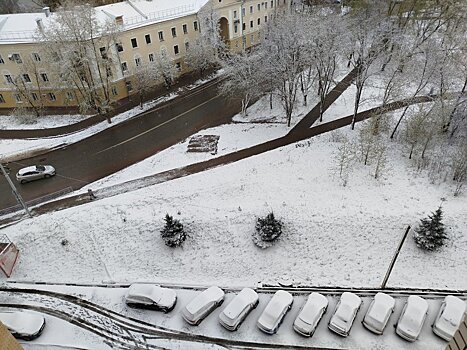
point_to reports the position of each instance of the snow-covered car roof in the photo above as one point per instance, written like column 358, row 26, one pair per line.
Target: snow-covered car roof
column 239, row 302
column 22, row 171
column 209, row 295
column 452, row 313
column 383, row 304
column 151, row 291
column 275, row 307
column 314, row 304
column 22, row 322
column 414, row 313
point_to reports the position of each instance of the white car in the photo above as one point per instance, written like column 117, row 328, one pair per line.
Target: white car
column 150, row 296
column 237, row 310
column 345, row 313
column 377, row 316
column 202, row 305
column 35, row 172
column 24, row 325
column 449, row 317
column 412, row 318
column 310, row 315
column 274, row 313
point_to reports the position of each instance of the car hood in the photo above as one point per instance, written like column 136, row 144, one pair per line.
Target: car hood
column 22, row 322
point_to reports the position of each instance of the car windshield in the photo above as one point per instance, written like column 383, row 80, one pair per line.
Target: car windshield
column 40, row 168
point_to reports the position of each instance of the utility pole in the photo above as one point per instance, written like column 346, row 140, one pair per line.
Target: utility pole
column 15, row 191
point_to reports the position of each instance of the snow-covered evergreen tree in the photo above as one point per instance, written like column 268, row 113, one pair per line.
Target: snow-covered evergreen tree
column 267, row 230
column 173, row 233
column 430, row 234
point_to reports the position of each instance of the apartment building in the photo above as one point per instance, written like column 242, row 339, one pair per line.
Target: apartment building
column 147, row 28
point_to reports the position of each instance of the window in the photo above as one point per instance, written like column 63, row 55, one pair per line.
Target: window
column 17, row 58
column 108, row 71
column 1, row 61
column 235, row 14
column 265, row 19
column 70, row 96
column 174, row 32
column 178, row 66
column 52, row 96
column 26, row 78
column 114, row 91
column 18, row 98
column 128, row 85
column 243, row 26
column 151, row 57
column 134, row 43
column 8, row 78
column 36, row 57
column 124, row 67
column 251, row 9
column 103, row 51
column 235, row 28
column 272, row 3
column 265, row 5
column 2, row 100
column 176, row 49
column 44, row 77
column 259, row 7
column 34, row 96
column 56, row 56
column 163, row 52
column 195, row 25
column 185, row 29
column 243, row 12
column 259, row 21
column 251, row 24
column 147, row 37
column 252, row 38
column 161, row 36
column 119, row 47
column 138, row 61
column 187, row 45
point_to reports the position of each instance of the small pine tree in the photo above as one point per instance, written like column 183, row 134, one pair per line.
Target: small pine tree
column 430, row 234
column 173, row 233
column 267, row 230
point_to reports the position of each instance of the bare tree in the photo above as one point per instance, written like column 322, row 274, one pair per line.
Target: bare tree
column 81, row 51
column 145, row 77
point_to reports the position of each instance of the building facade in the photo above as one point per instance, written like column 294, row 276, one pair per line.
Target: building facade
column 147, row 30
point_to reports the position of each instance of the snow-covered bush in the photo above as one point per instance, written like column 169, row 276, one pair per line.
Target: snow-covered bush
column 173, row 233
column 267, row 230
column 430, row 234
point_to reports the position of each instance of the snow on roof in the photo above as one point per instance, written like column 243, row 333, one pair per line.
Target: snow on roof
column 22, row 27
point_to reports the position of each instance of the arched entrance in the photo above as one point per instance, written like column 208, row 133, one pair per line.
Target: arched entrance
column 224, row 28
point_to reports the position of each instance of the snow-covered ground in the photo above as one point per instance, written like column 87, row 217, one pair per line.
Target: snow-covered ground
column 8, row 122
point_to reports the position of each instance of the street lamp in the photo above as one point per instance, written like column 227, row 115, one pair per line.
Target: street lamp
column 15, row 191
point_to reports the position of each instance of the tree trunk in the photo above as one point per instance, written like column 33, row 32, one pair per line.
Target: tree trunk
column 270, row 100
column 398, row 122
column 356, row 105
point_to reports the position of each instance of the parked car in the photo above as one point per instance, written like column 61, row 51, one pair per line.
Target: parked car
column 377, row 316
column 310, row 315
column 449, row 317
column 412, row 318
column 202, row 305
column 274, row 313
column 24, row 325
column 345, row 313
column 35, row 172
column 150, row 296
column 238, row 309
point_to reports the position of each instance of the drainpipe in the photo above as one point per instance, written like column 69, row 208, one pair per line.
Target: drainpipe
column 241, row 24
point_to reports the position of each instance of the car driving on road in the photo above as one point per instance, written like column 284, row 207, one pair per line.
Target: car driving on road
column 238, row 309
column 310, row 315
column 24, row 325
column 377, row 316
column 202, row 305
column 412, row 318
column 345, row 313
column 35, row 172
column 150, row 296
column 449, row 317
column 274, row 313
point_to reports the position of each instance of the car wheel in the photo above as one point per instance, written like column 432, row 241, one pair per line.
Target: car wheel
column 46, row 176
column 23, row 181
column 219, row 303
column 256, row 304
column 198, row 322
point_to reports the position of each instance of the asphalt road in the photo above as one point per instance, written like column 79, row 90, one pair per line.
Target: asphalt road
column 122, row 145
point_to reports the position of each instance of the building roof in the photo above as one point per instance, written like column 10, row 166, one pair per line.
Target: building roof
column 22, row 27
